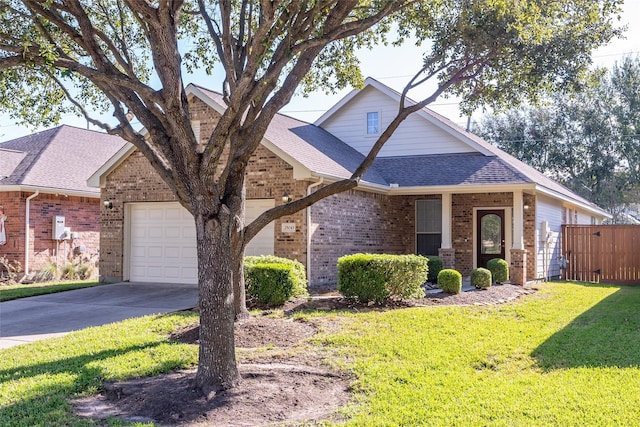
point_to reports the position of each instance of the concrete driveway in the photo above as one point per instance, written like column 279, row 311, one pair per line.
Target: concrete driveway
column 29, row 319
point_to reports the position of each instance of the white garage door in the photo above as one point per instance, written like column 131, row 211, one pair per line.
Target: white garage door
column 163, row 241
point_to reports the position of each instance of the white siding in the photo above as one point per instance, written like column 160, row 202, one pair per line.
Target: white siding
column 415, row 136
column 548, row 250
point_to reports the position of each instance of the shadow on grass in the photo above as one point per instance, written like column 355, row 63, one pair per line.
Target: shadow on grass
column 606, row 335
column 41, row 397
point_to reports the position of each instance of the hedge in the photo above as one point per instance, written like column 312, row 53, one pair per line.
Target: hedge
column 450, row 281
column 435, row 266
column 499, row 269
column 377, row 278
column 299, row 274
column 270, row 284
column 481, row 278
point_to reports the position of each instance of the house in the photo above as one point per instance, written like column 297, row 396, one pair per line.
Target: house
column 434, row 190
column 43, row 190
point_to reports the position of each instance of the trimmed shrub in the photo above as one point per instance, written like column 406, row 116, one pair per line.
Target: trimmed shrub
column 270, row 284
column 450, row 281
column 499, row 269
column 481, row 278
column 372, row 277
column 299, row 274
column 435, row 266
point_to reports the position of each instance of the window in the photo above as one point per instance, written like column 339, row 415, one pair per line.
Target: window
column 373, row 123
column 428, row 226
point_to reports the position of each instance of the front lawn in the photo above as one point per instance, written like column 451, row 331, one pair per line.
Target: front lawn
column 568, row 355
column 10, row 292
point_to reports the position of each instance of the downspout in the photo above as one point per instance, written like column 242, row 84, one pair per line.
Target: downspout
column 26, row 231
column 309, row 188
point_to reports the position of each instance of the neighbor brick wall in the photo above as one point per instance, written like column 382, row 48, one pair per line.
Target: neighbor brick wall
column 14, row 206
column 81, row 215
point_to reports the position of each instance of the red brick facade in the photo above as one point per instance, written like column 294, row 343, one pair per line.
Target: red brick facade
column 355, row 221
column 81, row 216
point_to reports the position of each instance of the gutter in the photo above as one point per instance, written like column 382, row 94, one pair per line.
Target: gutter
column 49, row 190
column 309, row 188
column 26, row 231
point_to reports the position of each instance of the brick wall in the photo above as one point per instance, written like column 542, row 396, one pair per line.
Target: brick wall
column 268, row 177
column 462, row 226
column 81, row 215
column 343, row 224
column 14, row 206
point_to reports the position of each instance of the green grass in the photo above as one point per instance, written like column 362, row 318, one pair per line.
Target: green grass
column 10, row 292
column 37, row 380
column 568, row 355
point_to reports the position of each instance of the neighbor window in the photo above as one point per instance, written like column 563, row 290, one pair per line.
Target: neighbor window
column 428, row 226
column 373, row 123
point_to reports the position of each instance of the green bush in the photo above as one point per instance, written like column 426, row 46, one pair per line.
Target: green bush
column 371, row 277
column 481, row 278
column 435, row 266
column 270, row 284
column 450, row 281
column 299, row 274
column 499, row 269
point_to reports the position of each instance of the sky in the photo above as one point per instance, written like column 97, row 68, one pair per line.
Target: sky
column 392, row 66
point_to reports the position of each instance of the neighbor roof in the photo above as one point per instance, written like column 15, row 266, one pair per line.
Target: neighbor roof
column 56, row 160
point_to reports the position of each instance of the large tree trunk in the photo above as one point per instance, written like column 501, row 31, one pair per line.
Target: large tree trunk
column 217, row 369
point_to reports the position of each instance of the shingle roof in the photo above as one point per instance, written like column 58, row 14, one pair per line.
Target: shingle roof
column 448, row 169
column 322, row 153
column 313, row 147
column 59, row 158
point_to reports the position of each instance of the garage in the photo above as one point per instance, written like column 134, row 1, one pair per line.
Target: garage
column 162, row 241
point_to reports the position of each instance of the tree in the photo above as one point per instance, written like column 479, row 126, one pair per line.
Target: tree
column 61, row 55
column 588, row 140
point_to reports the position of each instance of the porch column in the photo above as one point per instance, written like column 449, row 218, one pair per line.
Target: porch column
column 518, row 270
column 518, row 220
column 446, row 251
column 446, row 221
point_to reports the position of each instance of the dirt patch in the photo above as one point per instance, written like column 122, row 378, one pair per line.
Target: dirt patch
column 269, row 393
column 260, row 331
column 287, row 392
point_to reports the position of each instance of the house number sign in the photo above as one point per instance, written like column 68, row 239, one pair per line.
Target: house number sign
column 288, row 227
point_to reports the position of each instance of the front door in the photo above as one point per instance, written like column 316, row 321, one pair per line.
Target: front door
column 490, row 238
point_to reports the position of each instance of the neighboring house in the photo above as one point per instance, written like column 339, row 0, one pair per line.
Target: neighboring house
column 434, row 190
column 43, row 183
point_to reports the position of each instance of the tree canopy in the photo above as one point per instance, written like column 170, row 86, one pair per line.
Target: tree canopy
column 131, row 57
column 588, row 140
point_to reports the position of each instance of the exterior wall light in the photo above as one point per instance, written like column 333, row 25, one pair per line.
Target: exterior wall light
column 107, row 203
column 286, row 198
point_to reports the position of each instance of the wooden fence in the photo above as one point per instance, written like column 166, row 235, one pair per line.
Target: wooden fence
column 602, row 253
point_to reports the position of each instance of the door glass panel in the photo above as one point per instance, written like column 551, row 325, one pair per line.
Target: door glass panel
column 491, row 234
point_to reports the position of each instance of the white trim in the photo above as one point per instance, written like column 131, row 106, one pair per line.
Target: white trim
column 98, row 179
column 50, row 190
column 126, row 241
column 508, row 235
column 567, row 199
column 460, row 189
